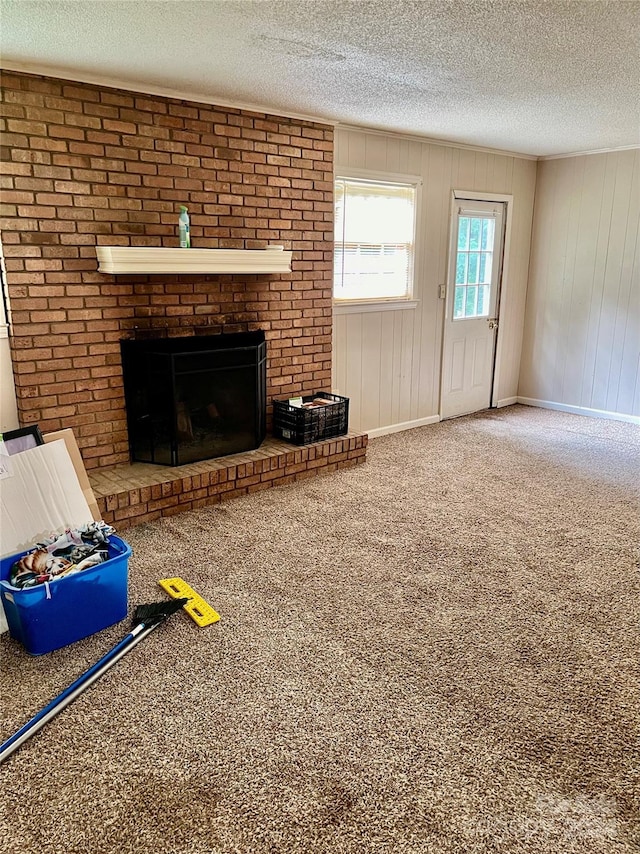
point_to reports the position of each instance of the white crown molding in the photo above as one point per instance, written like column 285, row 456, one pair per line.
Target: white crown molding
column 415, row 137
column 150, row 89
column 585, row 153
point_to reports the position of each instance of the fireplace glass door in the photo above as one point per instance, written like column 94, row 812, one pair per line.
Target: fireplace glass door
column 191, row 399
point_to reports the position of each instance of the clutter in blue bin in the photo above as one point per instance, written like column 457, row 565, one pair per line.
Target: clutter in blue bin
column 54, row 614
column 72, row 551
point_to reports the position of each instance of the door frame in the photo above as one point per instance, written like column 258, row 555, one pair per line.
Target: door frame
column 503, row 295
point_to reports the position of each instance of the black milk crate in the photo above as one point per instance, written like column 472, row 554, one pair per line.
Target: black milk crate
column 302, row 425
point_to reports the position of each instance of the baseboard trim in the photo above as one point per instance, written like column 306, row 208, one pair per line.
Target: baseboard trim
column 405, row 425
column 579, row 410
column 510, row 401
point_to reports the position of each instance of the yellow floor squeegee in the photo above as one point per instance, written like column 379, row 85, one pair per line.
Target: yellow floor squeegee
column 200, row 611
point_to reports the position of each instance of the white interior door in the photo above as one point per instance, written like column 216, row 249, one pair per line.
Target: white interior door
column 472, row 298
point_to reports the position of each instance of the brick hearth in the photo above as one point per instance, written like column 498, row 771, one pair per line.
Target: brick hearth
column 132, row 494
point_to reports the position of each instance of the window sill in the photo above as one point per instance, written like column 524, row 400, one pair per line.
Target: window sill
column 346, row 307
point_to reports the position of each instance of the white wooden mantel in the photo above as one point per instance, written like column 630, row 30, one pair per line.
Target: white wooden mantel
column 144, row 260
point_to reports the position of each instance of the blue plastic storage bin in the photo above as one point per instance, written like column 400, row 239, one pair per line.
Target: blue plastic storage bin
column 80, row 604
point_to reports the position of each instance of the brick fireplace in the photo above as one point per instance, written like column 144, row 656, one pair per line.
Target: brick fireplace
column 84, row 166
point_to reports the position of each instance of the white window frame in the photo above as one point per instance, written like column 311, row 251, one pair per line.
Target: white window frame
column 367, row 304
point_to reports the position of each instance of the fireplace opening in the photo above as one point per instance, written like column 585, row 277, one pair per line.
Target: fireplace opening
column 195, row 398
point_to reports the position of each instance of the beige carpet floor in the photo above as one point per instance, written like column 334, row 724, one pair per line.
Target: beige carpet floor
column 435, row 653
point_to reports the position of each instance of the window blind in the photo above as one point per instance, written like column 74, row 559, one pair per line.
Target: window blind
column 374, row 239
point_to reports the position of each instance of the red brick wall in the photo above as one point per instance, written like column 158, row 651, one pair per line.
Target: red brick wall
column 84, row 165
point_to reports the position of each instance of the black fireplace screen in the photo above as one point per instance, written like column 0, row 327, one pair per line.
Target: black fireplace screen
column 195, row 398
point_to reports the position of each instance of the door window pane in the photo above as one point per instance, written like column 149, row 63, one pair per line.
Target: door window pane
column 472, row 275
column 463, row 233
column 488, row 226
column 470, row 302
column 483, row 300
column 461, row 269
column 474, row 233
column 485, row 267
column 474, row 264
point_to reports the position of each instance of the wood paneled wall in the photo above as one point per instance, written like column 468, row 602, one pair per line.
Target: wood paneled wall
column 582, row 336
column 388, row 362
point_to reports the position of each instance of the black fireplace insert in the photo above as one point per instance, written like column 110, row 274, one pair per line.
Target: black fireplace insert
column 194, row 398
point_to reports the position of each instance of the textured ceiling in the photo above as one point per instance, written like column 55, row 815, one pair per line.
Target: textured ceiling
column 538, row 77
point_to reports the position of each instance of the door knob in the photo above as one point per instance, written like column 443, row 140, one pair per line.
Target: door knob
column 493, row 322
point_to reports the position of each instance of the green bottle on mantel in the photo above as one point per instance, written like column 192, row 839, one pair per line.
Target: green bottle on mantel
column 184, row 228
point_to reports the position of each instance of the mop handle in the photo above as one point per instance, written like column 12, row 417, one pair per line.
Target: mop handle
column 75, row 689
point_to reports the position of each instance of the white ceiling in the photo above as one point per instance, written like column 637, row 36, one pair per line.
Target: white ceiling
column 538, row 77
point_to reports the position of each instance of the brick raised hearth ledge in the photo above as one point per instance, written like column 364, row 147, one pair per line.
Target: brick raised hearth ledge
column 130, row 495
